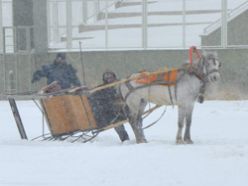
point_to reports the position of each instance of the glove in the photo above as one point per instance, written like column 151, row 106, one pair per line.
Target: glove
column 36, row 76
column 34, row 79
column 201, row 99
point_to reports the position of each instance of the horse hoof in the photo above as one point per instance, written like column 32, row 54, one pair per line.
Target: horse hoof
column 188, row 141
column 179, row 142
column 142, row 141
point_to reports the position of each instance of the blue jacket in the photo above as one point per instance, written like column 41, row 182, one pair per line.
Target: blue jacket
column 63, row 73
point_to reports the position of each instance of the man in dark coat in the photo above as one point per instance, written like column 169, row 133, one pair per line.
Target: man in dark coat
column 107, row 106
column 59, row 71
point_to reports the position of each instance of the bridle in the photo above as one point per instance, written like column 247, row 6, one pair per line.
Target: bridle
column 200, row 71
column 201, row 64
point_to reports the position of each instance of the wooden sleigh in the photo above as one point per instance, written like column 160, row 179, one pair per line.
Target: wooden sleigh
column 76, row 117
column 67, row 115
column 70, row 113
column 71, row 116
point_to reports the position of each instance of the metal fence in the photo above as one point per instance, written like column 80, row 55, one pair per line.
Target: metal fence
column 144, row 24
column 140, row 24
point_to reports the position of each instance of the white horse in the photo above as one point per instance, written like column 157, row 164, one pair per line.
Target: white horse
column 191, row 83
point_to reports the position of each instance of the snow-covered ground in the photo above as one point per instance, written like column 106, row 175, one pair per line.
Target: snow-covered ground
column 219, row 155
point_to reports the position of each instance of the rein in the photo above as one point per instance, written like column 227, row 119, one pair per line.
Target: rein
column 157, row 120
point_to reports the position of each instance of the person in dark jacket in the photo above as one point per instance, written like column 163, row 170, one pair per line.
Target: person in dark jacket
column 114, row 109
column 59, row 71
column 106, row 106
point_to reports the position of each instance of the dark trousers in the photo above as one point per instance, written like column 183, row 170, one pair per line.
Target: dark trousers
column 122, row 133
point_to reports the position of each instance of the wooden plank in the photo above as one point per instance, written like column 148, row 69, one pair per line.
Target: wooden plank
column 88, row 111
column 17, row 118
column 66, row 114
column 56, row 115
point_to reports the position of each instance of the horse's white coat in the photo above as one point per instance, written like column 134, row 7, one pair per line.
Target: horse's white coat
column 184, row 95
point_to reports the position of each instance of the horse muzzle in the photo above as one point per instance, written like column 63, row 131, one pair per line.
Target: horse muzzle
column 214, row 77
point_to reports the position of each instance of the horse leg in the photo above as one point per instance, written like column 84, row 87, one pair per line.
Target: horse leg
column 187, row 136
column 181, row 117
column 138, row 131
column 136, row 123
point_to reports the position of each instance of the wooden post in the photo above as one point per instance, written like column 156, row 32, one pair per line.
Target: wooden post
column 224, row 22
column 69, row 24
column 144, row 24
column 17, row 118
column 1, row 27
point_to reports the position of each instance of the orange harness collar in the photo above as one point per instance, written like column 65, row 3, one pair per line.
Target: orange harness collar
column 167, row 78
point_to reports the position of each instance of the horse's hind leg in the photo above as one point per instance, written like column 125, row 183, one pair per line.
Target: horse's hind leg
column 136, row 123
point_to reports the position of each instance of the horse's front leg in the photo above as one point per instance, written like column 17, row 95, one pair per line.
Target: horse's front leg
column 181, row 117
column 137, row 124
column 138, row 130
column 187, row 136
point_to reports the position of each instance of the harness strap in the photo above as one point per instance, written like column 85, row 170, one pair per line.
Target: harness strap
column 130, row 88
column 169, row 89
column 201, row 76
column 190, row 70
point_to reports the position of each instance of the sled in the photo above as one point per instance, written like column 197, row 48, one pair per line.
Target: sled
column 75, row 116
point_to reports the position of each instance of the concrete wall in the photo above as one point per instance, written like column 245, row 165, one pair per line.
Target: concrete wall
column 40, row 26
column 234, row 83
column 16, row 72
column 237, row 30
column 33, row 15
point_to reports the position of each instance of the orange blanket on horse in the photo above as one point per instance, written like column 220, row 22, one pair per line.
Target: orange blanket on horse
column 164, row 77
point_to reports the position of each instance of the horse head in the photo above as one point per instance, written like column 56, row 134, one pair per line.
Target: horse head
column 210, row 66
